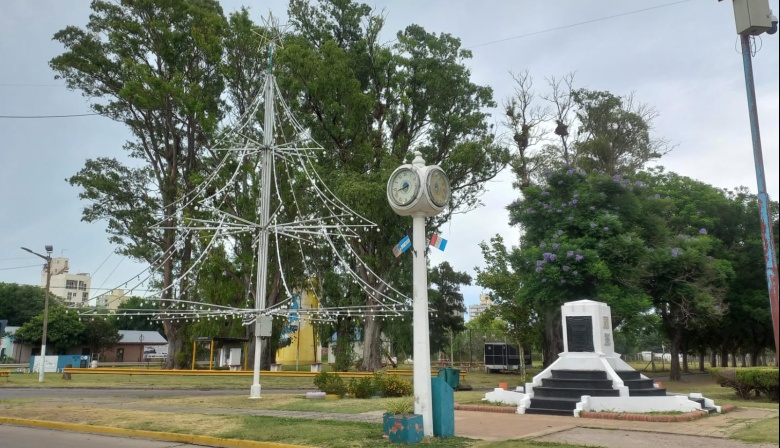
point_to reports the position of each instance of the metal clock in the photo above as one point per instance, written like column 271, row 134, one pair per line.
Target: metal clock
column 438, row 187
column 404, row 187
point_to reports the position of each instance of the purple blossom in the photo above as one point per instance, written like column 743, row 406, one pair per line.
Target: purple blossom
column 591, row 208
column 576, row 195
column 569, row 172
column 547, row 256
column 592, row 225
column 570, row 218
column 540, row 262
column 616, row 178
column 545, row 193
column 640, row 184
column 559, row 211
column 675, row 252
column 703, row 231
column 544, row 280
column 606, row 228
column 560, row 182
column 574, row 201
column 575, row 273
column 569, row 254
column 543, row 245
column 555, row 246
column 565, row 268
column 560, row 232
column 538, row 269
column 657, row 196
column 579, row 258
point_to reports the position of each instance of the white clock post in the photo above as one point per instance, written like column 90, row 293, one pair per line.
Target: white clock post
column 420, row 191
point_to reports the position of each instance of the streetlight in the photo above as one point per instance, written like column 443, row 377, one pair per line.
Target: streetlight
column 49, row 250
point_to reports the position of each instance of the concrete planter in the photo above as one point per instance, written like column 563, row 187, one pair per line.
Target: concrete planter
column 276, row 367
column 403, row 428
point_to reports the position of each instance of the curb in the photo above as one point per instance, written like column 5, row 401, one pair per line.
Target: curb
column 155, row 435
column 688, row 416
column 481, row 408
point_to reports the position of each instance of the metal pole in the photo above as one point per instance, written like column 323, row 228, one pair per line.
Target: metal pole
column 422, row 347
column 770, row 258
column 45, row 318
column 262, row 240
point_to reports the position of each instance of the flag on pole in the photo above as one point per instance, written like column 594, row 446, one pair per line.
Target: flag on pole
column 402, row 246
column 438, row 242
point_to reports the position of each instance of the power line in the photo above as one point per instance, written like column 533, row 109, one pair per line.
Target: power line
column 47, row 116
column 578, row 24
column 22, row 267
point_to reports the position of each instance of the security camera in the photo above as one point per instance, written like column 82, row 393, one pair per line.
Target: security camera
column 773, row 19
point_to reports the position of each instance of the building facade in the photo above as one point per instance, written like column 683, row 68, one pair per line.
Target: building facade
column 72, row 288
column 111, row 299
column 484, row 303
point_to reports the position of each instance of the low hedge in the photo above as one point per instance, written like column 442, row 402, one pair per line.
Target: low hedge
column 377, row 385
column 748, row 380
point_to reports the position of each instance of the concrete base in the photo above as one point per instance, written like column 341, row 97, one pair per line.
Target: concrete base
column 585, row 361
column 254, row 391
column 669, row 403
column 510, row 397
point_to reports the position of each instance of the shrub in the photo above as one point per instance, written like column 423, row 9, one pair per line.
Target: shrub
column 362, row 387
column 762, row 380
column 401, row 406
column 395, row 386
column 747, row 380
column 330, row 383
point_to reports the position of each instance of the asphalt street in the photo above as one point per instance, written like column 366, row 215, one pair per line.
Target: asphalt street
column 23, row 437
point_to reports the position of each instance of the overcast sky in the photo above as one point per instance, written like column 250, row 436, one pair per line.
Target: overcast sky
column 679, row 56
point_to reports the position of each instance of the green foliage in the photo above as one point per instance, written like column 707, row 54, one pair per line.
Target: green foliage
column 447, row 300
column 395, row 386
column 100, row 334
column 330, row 383
column 123, row 319
column 745, row 381
column 20, row 303
column 364, row 387
column 402, row 406
column 64, row 330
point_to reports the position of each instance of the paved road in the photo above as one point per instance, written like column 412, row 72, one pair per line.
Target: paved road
column 22, row 437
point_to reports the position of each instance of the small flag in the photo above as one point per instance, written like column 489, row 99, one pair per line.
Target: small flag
column 438, row 242
column 402, row 246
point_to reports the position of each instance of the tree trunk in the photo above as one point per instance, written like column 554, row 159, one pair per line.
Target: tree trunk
column 684, row 349
column 552, row 340
column 702, row 355
column 724, row 356
column 713, row 358
column 674, row 352
column 372, row 360
column 734, row 359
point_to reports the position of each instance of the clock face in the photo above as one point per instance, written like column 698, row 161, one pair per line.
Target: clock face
column 403, row 187
column 438, row 187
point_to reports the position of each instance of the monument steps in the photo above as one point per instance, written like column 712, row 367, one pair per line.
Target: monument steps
column 560, row 394
column 638, row 386
column 704, row 407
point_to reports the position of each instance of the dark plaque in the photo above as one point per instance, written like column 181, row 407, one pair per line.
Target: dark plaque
column 579, row 333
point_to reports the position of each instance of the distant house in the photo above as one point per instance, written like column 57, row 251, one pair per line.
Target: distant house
column 135, row 346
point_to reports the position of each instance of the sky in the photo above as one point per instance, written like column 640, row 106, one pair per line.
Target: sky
column 681, row 57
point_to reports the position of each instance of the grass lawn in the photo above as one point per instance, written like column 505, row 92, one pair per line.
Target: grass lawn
column 765, row 431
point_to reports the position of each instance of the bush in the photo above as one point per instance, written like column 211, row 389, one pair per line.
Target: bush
column 362, row 387
column 397, row 387
column 762, row 380
column 330, row 383
column 402, row 406
column 745, row 381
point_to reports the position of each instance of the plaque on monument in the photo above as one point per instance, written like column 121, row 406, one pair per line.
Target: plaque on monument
column 579, row 333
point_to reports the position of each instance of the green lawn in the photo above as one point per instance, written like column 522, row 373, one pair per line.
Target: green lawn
column 765, row 431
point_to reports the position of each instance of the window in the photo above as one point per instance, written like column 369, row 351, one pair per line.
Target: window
column 82, row 286
column 71, row 284
column 84, row 296
column 71, row 295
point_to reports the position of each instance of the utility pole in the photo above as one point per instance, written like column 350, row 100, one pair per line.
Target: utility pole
column 49, row 250
column 752, row 18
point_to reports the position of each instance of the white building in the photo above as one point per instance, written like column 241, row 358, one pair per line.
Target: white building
column 484, row 303
column 73, row 288
column 111, row 299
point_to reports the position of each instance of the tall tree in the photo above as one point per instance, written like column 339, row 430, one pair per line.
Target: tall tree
column 64, row 330
column 20, row 303
column 447, row 302
column 373, row 105
column 100, row 334
column 152, row 65
column 135, row 313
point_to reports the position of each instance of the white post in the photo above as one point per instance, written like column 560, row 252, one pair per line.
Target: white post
column 262, row 241
column 422, row 348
